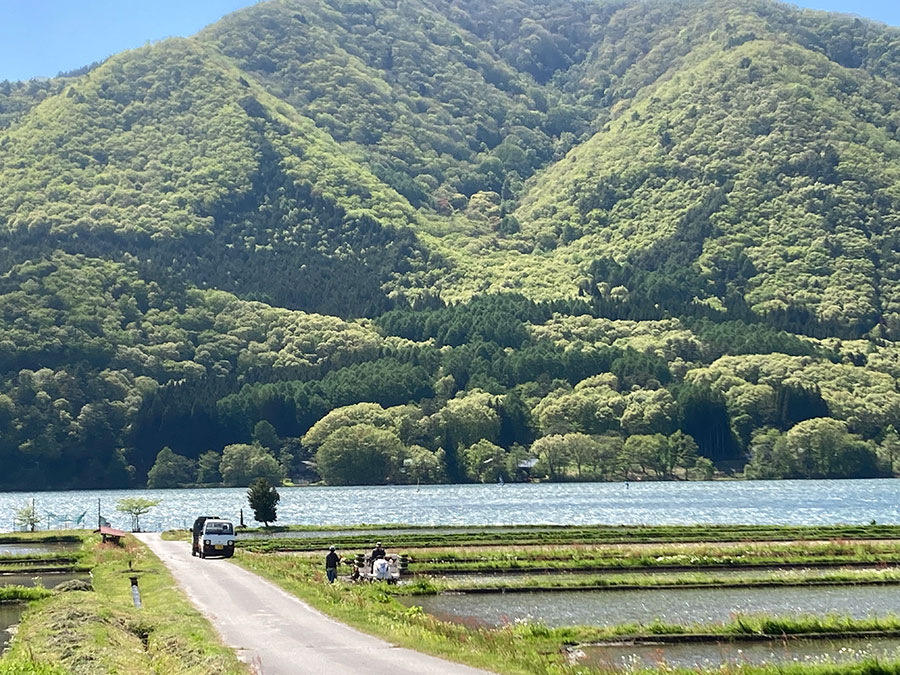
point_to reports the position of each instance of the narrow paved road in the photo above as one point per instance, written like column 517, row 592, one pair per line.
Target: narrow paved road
column 277, row 633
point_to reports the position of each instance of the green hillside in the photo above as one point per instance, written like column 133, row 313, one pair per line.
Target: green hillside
column 428, row 241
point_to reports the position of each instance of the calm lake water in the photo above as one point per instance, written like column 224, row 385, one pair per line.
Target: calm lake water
column 739, row 502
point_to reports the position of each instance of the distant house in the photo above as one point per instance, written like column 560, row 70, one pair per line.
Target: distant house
column 524, row 467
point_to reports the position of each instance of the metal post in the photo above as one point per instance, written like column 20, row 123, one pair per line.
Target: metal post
column 135, row 592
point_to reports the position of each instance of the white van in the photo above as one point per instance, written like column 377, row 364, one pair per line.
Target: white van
column 216, row 538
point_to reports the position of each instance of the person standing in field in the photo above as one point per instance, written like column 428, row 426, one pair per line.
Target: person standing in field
column 332, row 560
column 378, row 553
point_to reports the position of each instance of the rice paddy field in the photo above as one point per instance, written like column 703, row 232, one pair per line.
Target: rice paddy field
column 541, row 599
column 509, row 599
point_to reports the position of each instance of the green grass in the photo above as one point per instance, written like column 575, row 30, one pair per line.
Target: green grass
column 866, row 667
column 18, row 666
column 31, row 563
column 526, row 647
column 708, row 557
column 36, row 558
column 42, row 537
column 43, row 569
column 370, row 608
column 15, row 593
column 760, row 625
column 561, row 535
column 433, row 585
column 101, row 631
column 648, row 551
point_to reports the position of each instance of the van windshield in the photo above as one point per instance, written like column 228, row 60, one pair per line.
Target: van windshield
column 219, row 528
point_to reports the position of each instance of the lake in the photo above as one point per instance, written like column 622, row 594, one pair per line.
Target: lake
column 813, row 502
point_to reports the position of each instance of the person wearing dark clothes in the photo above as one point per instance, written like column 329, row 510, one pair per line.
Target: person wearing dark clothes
column 377, row 552
column 332, row 560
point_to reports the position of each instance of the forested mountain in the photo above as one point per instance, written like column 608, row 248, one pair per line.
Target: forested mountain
column 419, row 240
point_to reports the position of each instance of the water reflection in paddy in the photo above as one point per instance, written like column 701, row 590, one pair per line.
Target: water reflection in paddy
column 380, row 533
column 715, row 655
column 38, row 548
column 683, row 606
column 9, row 616
column 45, row 579
column 531, row 578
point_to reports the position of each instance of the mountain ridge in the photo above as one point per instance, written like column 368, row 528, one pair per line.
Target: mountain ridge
column 623, row 238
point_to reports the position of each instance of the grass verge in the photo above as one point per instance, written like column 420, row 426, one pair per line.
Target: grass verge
column 22, row 593
column 371, row 609
column 102, row 632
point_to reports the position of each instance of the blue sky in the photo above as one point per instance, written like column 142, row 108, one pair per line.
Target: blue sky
column 887, row 11
column 39, row 38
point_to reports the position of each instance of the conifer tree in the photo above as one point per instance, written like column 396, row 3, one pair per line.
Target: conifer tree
column 263, row 498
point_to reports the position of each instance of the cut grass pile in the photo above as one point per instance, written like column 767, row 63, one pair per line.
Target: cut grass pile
column 102, row 632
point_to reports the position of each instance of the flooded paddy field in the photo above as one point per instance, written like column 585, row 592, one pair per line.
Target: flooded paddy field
column 45, row 579
column 9, row 617
column 596, row 583
column 672, row 605
column 372, row 533
column 527, row 578
column 737, row 653
column 38, row 547
column 669, row 556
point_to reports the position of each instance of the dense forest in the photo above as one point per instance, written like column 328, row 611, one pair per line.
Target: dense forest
column 426, row 240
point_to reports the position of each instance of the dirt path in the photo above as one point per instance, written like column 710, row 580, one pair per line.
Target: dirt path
column 277, row 633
